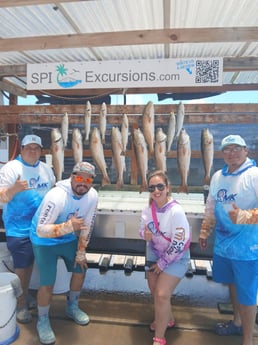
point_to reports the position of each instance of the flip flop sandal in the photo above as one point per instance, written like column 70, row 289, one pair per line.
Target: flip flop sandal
column 161, row 341
column 170, row 325
column 228, row 328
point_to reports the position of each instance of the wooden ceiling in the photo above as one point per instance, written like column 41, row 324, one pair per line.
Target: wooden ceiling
column 12, row 76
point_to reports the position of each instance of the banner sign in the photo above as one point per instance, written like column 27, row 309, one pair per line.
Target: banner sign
column 125, row 74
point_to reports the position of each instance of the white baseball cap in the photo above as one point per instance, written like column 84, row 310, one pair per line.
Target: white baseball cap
column 232, row 140
column 31, row 139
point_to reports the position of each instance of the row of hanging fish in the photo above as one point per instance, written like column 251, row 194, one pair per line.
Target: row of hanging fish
column 175, row 124
column 183, row 155
column 148, row 126
column 58, row 146
column 148, row 142
column 95, row 138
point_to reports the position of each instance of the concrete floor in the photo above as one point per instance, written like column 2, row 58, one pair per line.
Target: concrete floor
column 119, row 322
column 120, row 309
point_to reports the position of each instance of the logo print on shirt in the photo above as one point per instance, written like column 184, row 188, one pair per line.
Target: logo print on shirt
column 33, row 182
column 156, row 232
column 152, row 228
column 223, row 197
column 47, row 213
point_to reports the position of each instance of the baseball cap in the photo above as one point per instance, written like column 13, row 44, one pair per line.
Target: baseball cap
column 31, row 139
column 84, row 167
column 232, row 140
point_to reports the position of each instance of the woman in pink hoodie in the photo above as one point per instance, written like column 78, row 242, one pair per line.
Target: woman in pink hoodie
column 165, row 228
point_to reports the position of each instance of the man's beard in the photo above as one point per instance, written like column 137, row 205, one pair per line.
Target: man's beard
column 79, row 191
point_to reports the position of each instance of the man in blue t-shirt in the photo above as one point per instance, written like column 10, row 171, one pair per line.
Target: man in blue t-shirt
column 23, row 183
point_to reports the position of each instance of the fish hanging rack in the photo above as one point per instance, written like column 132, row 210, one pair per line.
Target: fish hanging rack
column 202, row 114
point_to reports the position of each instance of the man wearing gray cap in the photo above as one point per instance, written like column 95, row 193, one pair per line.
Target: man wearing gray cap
column 233, row 190
column 62, row 227
column 23, row 183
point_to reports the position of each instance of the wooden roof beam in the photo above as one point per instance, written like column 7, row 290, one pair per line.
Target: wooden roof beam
column 137, row 37
column 13, row 89
column 17, row 3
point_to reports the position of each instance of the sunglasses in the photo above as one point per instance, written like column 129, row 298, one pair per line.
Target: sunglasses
column 160, row 187
column 80, row 179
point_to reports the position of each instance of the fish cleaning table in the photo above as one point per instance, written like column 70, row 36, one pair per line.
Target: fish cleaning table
column 116, row 227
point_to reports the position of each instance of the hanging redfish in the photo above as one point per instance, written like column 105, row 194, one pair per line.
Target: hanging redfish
column 57, row 151
column 103, row 121
column 171, row 130
column 149, row 126
column 65, row 128
column 141, row 156
column 124, row 133
column 207, row 150
column 160, row 150
column 183, row 159
column 118, row 158
column 87, row 122
column 97, row 152
column 180, row 119
column 77, row 145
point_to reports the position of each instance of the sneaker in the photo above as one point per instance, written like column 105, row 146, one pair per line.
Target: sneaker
column 45, row 332
column 75, row 313
column 228, row 328
column 23, row 315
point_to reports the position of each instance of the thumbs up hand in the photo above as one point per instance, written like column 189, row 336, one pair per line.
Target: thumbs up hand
column 20, row 185
column 233, row 214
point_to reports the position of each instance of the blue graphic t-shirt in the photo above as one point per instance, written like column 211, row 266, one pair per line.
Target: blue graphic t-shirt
column 235, row 241
column 18, row 212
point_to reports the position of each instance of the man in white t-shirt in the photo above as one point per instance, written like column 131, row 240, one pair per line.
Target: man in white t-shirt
column 62, row 227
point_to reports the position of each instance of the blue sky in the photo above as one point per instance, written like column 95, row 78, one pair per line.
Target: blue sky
column 227, row 97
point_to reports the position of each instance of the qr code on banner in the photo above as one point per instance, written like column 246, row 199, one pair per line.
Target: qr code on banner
column 207, row 71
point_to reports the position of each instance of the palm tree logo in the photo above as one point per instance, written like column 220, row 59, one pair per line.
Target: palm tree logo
column 65, row 79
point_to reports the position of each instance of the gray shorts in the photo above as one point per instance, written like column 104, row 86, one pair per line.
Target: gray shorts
column 177, row 269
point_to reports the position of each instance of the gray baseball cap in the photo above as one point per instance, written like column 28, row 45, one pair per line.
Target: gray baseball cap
column 84, row 167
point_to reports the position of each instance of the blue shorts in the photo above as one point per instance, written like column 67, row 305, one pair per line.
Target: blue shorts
column 46, row 258
column 21, row 251
column 177, row 269
column 243, row 274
